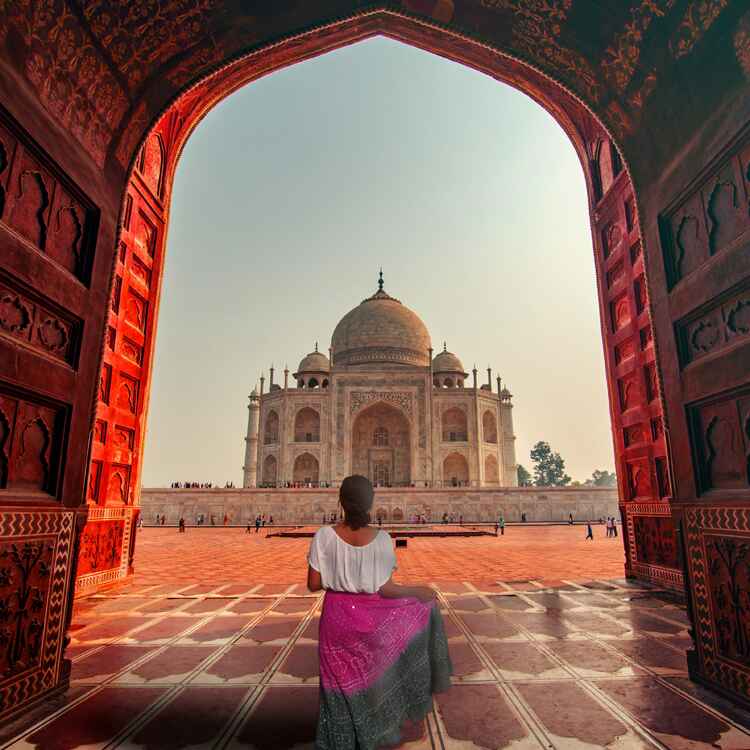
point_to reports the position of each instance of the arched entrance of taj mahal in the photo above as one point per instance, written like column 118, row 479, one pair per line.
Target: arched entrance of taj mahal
column 381, row 446
column 87, row 159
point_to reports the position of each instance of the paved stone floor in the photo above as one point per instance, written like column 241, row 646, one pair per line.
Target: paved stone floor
column 547, row 553
column 178, row 659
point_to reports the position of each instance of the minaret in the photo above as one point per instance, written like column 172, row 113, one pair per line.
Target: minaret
column 251, row 441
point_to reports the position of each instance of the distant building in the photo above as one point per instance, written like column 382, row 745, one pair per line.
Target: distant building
column 381, row 406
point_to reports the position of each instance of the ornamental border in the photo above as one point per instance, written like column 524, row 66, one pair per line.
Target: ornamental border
column 699, row 520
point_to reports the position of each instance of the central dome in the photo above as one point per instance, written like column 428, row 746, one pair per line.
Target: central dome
column 381, row 330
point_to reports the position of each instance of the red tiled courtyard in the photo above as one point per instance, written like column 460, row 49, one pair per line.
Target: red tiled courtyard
column 542, row 553
column 213, row 644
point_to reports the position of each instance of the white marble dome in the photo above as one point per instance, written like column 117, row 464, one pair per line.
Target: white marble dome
column 381, row 330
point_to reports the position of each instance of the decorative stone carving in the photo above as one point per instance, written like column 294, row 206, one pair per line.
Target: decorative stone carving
column 361, row 399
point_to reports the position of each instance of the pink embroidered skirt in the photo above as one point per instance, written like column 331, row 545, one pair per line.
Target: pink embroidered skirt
column 380, row 661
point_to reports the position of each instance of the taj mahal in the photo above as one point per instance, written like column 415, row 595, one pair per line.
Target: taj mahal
column 380, row 404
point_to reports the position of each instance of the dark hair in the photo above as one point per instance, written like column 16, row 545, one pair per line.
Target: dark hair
column 356, row 496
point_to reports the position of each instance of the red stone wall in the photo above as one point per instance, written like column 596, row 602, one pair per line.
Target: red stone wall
column 80, row 87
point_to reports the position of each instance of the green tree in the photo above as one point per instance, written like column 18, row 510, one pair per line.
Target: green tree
column 524, row 478
column 549, row 467
column 602, row 478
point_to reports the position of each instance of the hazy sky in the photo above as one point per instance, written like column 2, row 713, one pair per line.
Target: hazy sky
column 293, row 192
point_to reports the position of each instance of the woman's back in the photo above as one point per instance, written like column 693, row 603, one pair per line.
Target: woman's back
column 352, row 561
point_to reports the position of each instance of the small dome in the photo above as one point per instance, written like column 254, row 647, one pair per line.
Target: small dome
column 314, row 362
column 447, row 362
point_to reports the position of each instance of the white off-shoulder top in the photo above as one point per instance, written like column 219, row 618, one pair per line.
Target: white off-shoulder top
column 344, row 567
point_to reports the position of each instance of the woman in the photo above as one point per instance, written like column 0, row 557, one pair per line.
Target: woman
column 382, row 646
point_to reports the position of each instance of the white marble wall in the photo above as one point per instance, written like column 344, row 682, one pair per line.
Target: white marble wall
column 309, row 505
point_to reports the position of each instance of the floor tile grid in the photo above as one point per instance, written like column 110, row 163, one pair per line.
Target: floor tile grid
column 507, row 686
column 160, row 703
column 589, row 683
column 246, row 708
column 523, row 711
column 254, row 692
column 658, row 676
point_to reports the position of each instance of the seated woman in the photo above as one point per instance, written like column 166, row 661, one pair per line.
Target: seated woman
column 382, row 647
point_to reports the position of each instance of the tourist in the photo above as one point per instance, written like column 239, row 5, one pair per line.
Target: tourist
column 461, row 520
column 270, row 520
column 247, row 530
column 501, row 524
column 257, row 523
column 163, row 518
column 157, row 519
column 182, row 525
column 226, row 519
column 570, row 519
column 589, row 531
column 614, row 526
column 382, row 646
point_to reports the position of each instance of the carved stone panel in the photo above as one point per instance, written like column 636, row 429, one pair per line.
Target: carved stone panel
column 718, row 550
column 724, row 323
column 713, row 217
column 38, row 202
column 38, row 323
column 720, row 432
column 35, row 559
column 31, row 437
column 655, row 540
column 360, row 399
column 100, row 546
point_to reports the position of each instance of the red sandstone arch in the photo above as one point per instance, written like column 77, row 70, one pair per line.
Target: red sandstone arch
column 670, row 265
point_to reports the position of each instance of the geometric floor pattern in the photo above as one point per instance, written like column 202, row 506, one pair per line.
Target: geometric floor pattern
column 571, row 665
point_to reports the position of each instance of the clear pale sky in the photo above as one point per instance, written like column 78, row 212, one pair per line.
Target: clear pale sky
column 294, row 191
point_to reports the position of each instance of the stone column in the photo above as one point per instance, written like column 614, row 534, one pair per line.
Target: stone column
column 284, row 437
column 250, row 468
column 430, row 476
column 260, row 442
column 477, row 434
column 509, row 441
column 501, row 478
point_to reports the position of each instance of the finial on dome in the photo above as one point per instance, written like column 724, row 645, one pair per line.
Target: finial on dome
column 316, row 347
column 380, row 280
column 445, row 346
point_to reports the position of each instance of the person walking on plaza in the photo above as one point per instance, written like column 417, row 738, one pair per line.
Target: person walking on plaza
column 257, row 523
column 182, row 525
column 614, row 526
column 501, row 524
column 382, row 647
column 570, row 519
column 589, row 531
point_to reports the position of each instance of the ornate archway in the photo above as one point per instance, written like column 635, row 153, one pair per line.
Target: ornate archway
column 455, row 470
column 381, row 445
column 306, row 470
column 83, row 243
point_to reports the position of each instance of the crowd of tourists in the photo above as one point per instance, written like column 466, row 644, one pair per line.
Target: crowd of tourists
column 199, row 485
